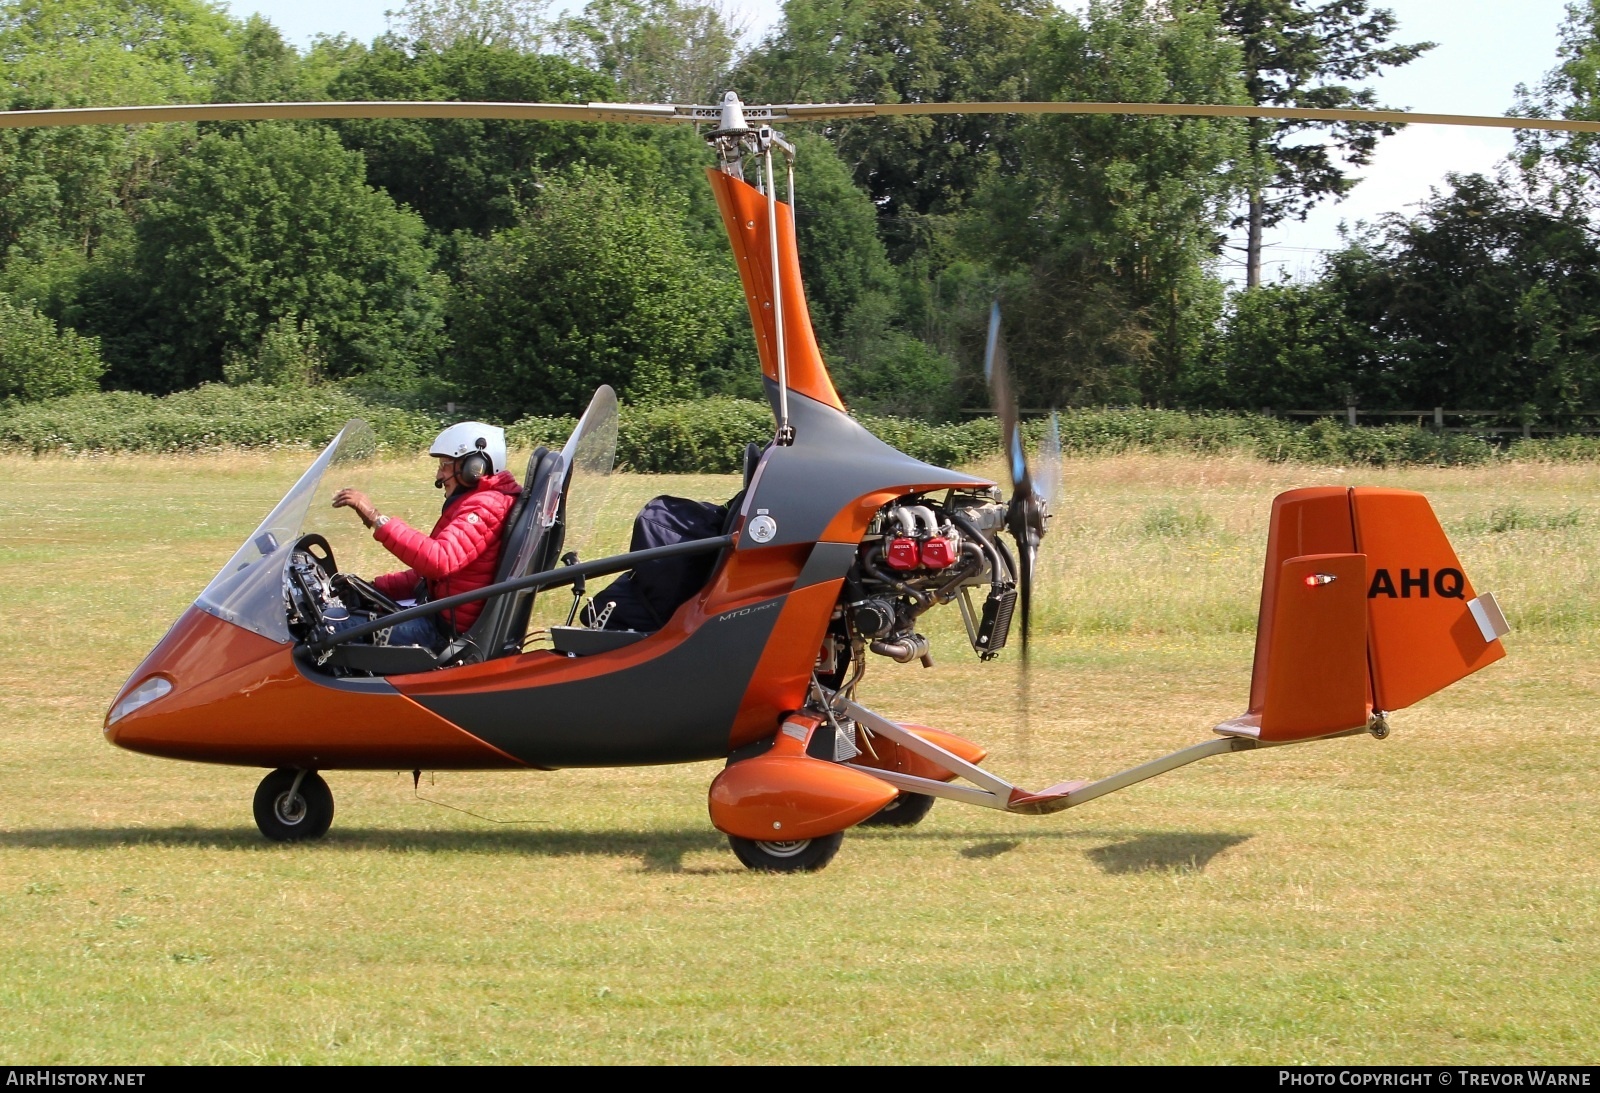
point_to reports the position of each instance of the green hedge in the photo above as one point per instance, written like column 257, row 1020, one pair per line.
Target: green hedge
column 212, row 416
column 709, row 435
column 1561, row 449
column 1100, row 432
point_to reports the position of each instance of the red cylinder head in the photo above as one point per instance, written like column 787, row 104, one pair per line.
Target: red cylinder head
column 939, row 553
column 903, row 554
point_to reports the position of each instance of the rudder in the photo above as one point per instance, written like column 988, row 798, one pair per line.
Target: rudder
column 1424, row 636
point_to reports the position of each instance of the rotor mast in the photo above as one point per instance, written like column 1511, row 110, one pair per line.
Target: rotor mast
column 732, row 140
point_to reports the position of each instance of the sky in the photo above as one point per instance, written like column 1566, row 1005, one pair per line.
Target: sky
column 1485, row 49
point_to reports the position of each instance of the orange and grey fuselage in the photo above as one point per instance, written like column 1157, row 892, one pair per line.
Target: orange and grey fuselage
column 1356, row 621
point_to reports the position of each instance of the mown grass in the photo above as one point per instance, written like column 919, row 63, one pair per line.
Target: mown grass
column 1430, row 898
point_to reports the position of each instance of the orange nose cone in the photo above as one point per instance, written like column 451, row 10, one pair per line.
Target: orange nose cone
column 169, row 687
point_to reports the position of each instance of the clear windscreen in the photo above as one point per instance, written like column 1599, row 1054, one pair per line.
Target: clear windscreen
column 249, row 589
column 591, row 452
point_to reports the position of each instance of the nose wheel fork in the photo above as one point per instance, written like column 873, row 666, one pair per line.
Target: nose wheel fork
column 292, row 805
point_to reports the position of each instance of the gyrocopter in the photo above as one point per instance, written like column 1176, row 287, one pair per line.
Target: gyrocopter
column 830, row 556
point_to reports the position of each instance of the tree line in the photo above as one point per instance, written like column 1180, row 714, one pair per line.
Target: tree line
column 512, row 265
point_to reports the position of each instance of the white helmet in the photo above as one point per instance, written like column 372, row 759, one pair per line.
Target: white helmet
column 468, row 438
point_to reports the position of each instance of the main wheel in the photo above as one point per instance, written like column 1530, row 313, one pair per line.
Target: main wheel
column 285, row 813
column 799, row 856
column 906, row 810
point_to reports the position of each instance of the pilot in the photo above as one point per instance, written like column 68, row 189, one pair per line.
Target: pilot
column 463, row 550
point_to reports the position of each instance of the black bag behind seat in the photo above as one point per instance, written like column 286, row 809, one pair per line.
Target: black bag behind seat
column 646, row 597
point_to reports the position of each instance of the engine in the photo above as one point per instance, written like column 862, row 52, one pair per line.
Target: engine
column 918, row 554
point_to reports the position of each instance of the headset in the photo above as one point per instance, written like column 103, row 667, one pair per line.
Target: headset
column 475, row 466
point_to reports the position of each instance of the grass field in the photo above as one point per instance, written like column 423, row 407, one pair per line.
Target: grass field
column 1429, row 898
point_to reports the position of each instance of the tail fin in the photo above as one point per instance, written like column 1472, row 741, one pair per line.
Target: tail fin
column 1364, row 606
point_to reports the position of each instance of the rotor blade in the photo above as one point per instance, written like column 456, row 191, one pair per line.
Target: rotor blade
column 295, row 111
column 636, row 113
column 829, row 111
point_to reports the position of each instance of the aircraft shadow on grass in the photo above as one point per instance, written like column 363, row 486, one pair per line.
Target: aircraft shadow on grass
column 1163, row 852
column 657, row 852
column 1125, row 852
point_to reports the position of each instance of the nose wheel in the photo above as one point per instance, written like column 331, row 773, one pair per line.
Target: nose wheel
column 293, row 805
column 798, row 856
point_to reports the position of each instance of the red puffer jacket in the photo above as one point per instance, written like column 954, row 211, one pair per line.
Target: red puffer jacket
column 460, row 555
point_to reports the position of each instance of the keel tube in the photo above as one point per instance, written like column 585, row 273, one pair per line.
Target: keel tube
column 991, row 791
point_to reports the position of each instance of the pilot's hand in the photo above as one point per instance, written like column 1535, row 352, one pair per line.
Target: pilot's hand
column 355, row 499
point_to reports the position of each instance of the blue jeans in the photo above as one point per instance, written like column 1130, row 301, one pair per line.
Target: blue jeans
column 424, row 631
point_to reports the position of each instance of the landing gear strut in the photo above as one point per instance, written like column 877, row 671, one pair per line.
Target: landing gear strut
column 293, row 805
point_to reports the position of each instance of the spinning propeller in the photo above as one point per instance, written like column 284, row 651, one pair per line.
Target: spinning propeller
column 1029, row 507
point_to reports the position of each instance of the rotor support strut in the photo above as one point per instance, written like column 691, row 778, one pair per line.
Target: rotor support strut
column 766, row 139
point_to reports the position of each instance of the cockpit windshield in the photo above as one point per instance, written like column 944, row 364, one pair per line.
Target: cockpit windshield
column 249, row 589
